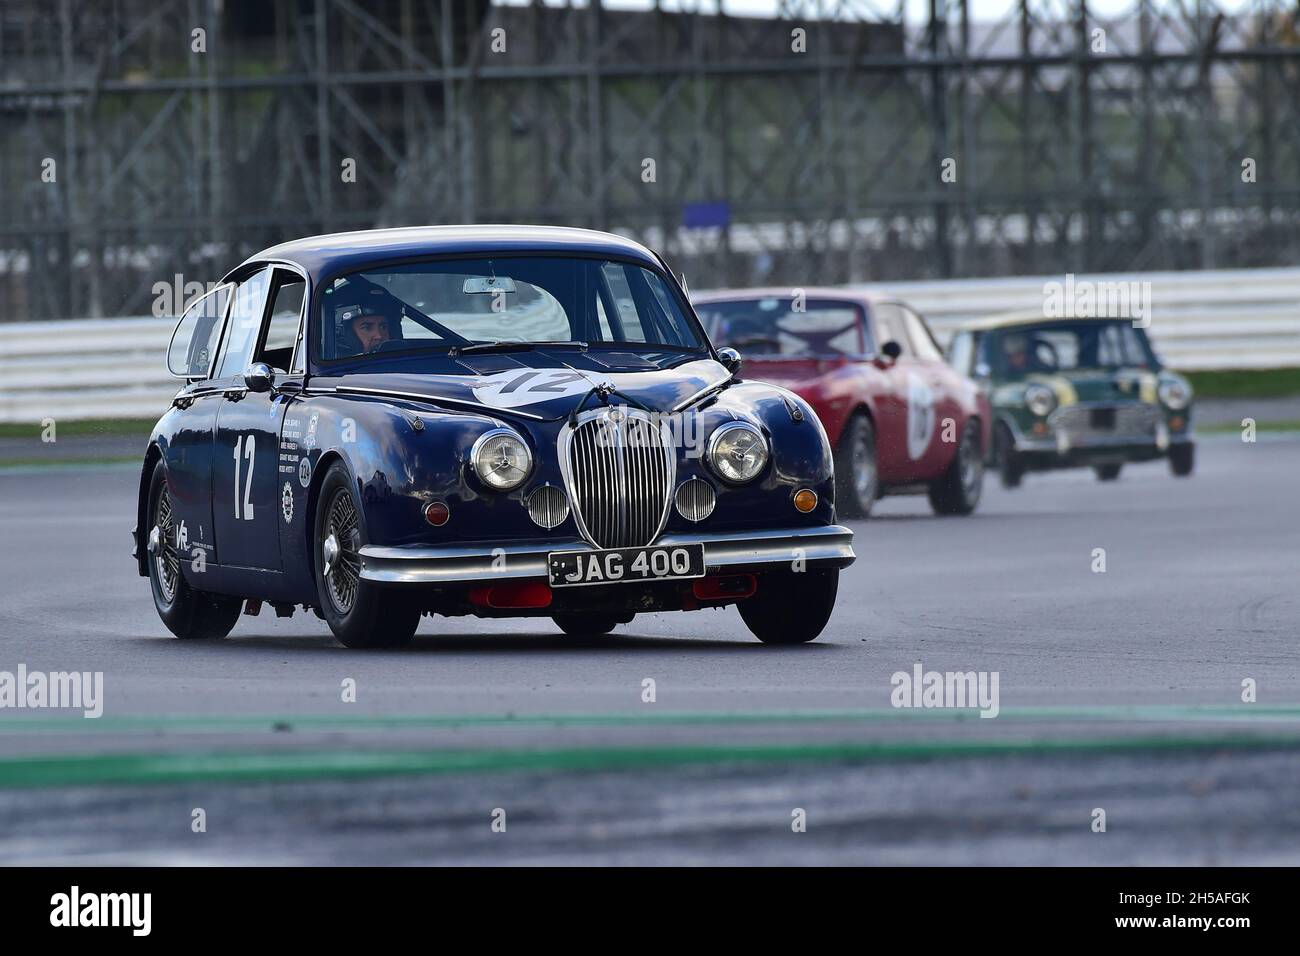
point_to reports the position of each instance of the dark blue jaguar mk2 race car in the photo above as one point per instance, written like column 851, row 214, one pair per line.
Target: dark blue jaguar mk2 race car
column 498, row 421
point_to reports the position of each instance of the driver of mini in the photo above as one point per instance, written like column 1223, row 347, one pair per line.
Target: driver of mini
column 1020, row 358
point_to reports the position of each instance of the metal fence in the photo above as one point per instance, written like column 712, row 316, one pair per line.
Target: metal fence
column 854, row 141
column 115, row 368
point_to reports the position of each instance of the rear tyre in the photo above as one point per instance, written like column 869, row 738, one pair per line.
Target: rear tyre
column 1108, row 472
column 1011, row 467
column 1182, row 459
column 791, row 607
column 186, row 611
column 586, row 625
column 360, row 613
column 958, row 491
column 857, row 481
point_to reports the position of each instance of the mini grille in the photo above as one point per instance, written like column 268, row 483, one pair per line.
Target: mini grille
column 619, row 466
column 1132, row 420
column 548, row 507
column 696, row 499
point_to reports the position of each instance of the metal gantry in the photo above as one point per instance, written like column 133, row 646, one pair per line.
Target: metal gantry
column 808, row 145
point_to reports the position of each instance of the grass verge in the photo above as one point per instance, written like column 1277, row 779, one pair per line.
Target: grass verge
column 1225, row 428
column 1246, row 383
column 1237, row 383
column 63, row 464
column 77, row 428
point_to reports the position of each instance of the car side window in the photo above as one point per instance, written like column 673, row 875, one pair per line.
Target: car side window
column 923, row 343
column 195, row 340
column 888, row 318
column 244, row 324
column 282, row 327
column 960, row 352
column 629, row 319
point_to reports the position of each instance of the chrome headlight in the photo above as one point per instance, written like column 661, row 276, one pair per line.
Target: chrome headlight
column 501, row 459
column 737, row 452
column 1040, row 400
column 1174, row 394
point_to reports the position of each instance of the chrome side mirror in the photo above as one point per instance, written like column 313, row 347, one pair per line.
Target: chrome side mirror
column 259, row 377
column 730, row 360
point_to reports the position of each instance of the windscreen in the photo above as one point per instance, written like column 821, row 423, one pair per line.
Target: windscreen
column 1065, row 347
column 785, row 327
column 438, row 306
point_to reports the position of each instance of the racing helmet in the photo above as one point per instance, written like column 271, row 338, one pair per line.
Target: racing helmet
column 346, row 341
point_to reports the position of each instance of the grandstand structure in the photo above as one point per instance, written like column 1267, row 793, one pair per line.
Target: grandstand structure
column 787, row 142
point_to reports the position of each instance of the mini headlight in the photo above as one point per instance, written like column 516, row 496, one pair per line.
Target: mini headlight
column 1174, row 394
column 501, row 459
column 737, row 452
column 1040, row 400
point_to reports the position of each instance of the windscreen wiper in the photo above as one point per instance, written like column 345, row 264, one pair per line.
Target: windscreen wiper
column 514, row 347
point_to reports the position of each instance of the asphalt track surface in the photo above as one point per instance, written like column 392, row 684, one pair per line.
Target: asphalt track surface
column 1118, row 690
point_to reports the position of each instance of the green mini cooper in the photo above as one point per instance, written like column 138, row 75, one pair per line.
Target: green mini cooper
column 1075, row 392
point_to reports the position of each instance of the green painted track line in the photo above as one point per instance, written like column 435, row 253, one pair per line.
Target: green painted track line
column 234, row 767
column 12, row 723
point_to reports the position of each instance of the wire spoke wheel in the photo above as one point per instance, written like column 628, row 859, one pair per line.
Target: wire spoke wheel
column 864, row 468
column 339, row 551
column 167, row 562
column 971, row 461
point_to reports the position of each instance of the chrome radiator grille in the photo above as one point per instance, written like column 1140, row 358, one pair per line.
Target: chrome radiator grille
column 1134, row 421
column 618, row 466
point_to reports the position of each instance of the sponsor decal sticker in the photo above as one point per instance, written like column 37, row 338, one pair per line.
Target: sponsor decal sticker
column 286, row 502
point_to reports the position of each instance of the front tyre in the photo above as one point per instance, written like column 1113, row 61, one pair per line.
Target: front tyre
column 791, row 607
column 361, row 613
column 1182, row 459
column 186, row 611
column 957, row 492
column 857, row 481
column 1109, row 471
column 1011, row 466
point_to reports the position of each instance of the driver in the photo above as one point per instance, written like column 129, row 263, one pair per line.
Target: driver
column 369, row 328
column 1019, row 357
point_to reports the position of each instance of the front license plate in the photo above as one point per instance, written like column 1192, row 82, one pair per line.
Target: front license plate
column 574, row 568
column 1103, row 419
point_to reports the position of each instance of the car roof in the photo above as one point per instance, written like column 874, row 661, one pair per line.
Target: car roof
column 860, row 296
column 326, row 255
column 1004, row 320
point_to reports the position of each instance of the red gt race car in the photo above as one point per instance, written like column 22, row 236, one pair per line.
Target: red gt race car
column 900, row 419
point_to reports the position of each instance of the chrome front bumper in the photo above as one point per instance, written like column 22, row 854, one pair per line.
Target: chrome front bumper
column 829, row 546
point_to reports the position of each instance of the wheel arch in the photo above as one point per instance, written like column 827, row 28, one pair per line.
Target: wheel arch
column 859, row 406
column 153, row 454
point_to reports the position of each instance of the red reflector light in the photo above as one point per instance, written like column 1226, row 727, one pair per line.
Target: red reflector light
column 525, row 594
column 437, row 513
column 730, row 587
